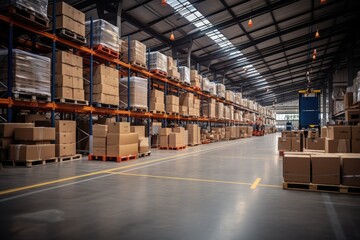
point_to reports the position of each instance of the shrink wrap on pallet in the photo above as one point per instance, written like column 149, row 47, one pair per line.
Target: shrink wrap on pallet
column 104, row 34
column 158, row 62
column 137, row 52
column 205, row 85
column 36, row 6
column 220, row 90
column 31, row 73
column 184, row 74
column 212, row 88
column 138, row 93
column 219, row 110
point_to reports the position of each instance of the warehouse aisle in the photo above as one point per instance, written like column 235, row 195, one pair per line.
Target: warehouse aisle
column 226, row 190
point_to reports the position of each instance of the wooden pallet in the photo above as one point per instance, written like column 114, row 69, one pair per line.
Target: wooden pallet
column 31, row 97
column 104, row 105
column 321, row 188
column 105, row 50
column 159, row 72
column 71, row 36
column 196, row 88
column 172, row 148
column 30, row 163
column 105, row 158
column 138, row 109
column 70, row 158
column 173, row 79
column 28, row 16
column 193, row 145
column 172, row 113
column 207, row 141
column 138, row 64
column 71, row 101
column 157, row 112
column 185, row 83
column 140, row 155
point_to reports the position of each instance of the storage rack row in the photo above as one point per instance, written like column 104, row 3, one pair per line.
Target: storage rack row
column 74, row 111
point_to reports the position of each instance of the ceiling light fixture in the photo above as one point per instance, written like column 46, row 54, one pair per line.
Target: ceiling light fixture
column 317, row 34
column 250, row 23
column 314, row 57
column 322, row 1
column 172, row 37
column 163, row 3
column 315, row 52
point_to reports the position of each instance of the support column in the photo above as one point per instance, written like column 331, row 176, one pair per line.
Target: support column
column 189, row 54
column 324, row 119
column 330, row 90
column 350, row 65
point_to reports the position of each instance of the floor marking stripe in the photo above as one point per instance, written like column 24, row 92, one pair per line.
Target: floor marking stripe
column 255, row 183
column 3, row 192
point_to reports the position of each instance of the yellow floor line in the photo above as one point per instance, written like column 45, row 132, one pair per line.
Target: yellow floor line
column 181, row 178
column 255, row 183
column 12, row 190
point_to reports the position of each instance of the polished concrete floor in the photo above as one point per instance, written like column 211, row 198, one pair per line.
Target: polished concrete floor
column 225, row 190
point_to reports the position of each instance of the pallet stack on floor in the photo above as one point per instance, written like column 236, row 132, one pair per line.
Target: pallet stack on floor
column 173, row 138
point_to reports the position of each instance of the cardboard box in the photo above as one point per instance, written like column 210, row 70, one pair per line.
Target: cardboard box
column 165, row 131
column 63, row 81
column 121, row 139
column 173, row 100
column 79, row 28
column 178, row 130
column 7, row 129
column 324, row 132
column 65, row 126
column 352, row 115
column 176, row 139
column 157, row 107
column 140, row 130
column 313, row 134
column 348, row 100
column 315, row 144
column 337, row 145
column 64, row 21
column 34, row 134
column 99, row 151
column 172, row 108
column 79, row 16
column 100, row 130
column 284, row 144
column 78, row 94
column 164, row 140
column 62, row 8
column 99, row 142
column 64, row 92
column 296, row 168
column 339, row 132
column 122, row 150
column 157, row 93
column 355, row 132
column 77, row 83
column 65, row 138
column 144, row 145
column 5, row 143
column 22, row 152
column 285, row 134
column 63, row 150
column 325, row 169
column 297, row 133
column 350, row 170
column 119, row 127
column 355, row 145
column 296, row 144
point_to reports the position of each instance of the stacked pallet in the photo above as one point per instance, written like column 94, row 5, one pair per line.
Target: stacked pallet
column 195, row 79
column 220, row 90
column 219, row 110
column 172, row 104
column 158, row 63
column 137, row 53
column 69, row 76
column 157, row 101
column 208, row 108
column 120, row 141
column 205, row 85
column 226, row 112
column 184, row 75
column 186, row 102
column 143, row 144
column 194, row 136
column 138, row 93
column 314, row 141
column 65, row 138
column 105, row 86
column 176, row 138
column 99, row 139
column 342, row 139
column 172, row 70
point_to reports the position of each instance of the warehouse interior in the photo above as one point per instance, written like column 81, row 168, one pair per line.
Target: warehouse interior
column 180, row 119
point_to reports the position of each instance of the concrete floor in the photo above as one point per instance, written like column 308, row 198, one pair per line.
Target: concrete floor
column 204, row 192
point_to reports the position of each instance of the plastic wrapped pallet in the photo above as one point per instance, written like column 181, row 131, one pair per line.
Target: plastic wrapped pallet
column 184, row 74
column 138, row 93
column 36, row 6
column 206, row 85
column 219, row 110
column 31, row 73
column 226, row 112
column 212, row 88
column 220, row 90
column 104, row 34
column 137, row 52
column 338, row 93
column 158, row 62
column 356, row 88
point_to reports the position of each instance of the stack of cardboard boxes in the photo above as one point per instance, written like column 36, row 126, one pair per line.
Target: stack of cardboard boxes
column 143, row 146
column 157, row 101
column 119, row 140
column 172, row 104
column 226, row 112
column 138, row 93
column 218, row 133
column 230, row 132
column 219, row 112
column 65, row 138
column 220, row 90
column 178, row 137
column 230, row 96
column 172, row 69
column 355, row 139
column 208, row 108
column 155, row 134
column 327, row 169
column 186, row 102
column 338, row 139
column 69, row 76
column 196, row 107
column 99, row 139
column 291, row 141
column 352, row 115
column 105, row 85
column 164, row 137
column 33, row 143
column 194, row 134
column 195, row 79
column 314, row 142
column 137, row 53
column 158, row 62
column 69, row 18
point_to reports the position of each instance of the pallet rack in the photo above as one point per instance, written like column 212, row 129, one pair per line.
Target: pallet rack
column 77, row 111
